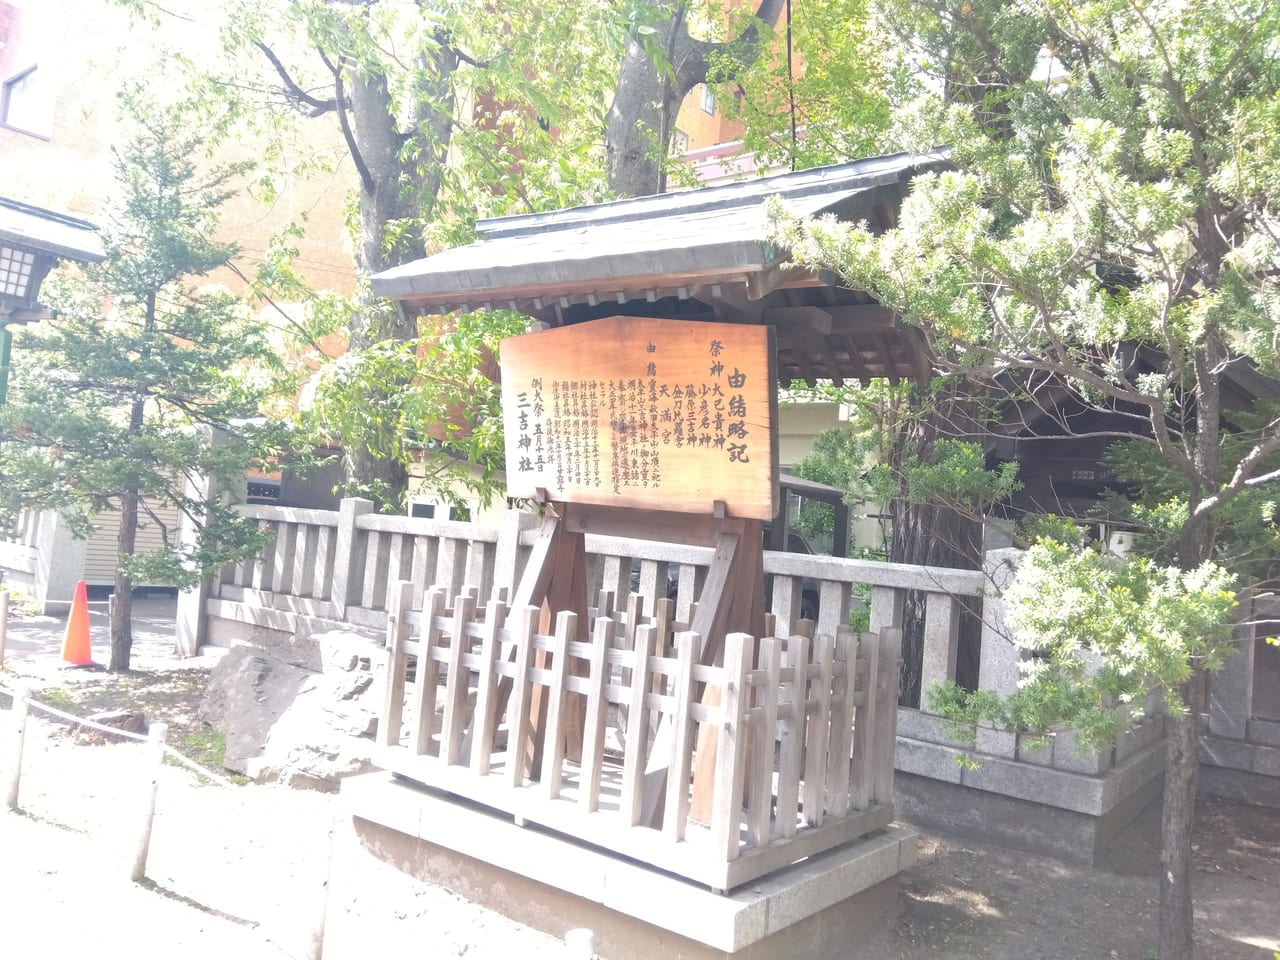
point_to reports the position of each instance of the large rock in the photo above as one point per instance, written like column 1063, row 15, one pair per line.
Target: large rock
column 301, row 712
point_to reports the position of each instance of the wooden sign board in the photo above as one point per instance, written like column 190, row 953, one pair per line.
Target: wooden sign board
column 644, row 413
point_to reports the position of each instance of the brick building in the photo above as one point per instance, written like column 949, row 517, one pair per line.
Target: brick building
column 61, row 64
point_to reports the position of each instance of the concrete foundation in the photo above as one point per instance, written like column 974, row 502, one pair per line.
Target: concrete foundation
column 1020, row 803
column 229, row 622
column 959, row 811
column 228, row 633
column 812, row 910
column 1244, row 785
column 1247, row 770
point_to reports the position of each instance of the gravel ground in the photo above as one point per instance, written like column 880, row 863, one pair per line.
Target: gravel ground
column 240, row 870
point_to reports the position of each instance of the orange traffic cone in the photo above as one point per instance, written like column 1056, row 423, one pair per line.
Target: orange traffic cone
column 75, row 646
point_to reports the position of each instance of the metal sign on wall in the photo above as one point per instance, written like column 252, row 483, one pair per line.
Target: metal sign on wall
column 644, row 413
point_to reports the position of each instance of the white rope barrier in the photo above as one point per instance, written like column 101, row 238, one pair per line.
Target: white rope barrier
column 196, row 768
column 117, row 732
column 157, row 749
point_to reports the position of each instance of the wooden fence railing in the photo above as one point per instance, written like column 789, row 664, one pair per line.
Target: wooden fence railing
column 19, row 554
column 803, row 730
column 337, row 565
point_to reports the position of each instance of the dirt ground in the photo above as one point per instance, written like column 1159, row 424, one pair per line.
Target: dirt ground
column 240, row 870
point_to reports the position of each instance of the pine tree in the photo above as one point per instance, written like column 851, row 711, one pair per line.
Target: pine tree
column 1114, row 191
column 151, row 377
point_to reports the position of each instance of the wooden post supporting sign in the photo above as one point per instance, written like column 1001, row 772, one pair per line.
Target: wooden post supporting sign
column 644, row 428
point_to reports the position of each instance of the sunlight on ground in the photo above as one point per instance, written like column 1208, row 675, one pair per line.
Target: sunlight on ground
column 1264, row 943
column 971, row 901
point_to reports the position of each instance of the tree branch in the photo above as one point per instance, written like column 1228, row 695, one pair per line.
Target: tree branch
column 366, row 178
column 295, row 92
column 1242, row 479
column 691, row 59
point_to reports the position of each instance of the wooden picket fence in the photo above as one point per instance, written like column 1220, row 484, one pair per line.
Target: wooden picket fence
column 782, row 752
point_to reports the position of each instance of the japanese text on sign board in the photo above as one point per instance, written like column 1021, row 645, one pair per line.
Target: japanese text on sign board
column 646, row 415
column 643, row 412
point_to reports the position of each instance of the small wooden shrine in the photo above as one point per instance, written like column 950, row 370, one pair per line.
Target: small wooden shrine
column 646, row 409
column 697, row 255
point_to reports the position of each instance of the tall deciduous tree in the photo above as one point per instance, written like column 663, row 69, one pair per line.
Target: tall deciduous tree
column 664, row 60
column 146, row 383
column 1115, row 182
column 448, row 112
column 820, row 90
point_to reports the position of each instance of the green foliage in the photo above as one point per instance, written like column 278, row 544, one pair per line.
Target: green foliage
column 56, row 697
column 956, row 476
column 1103, row 222
column 119, row 397
column 1101, row 634
column 834, row 459
column 1050, row 526
column 852, row 456
column 838, row 97
column 446, row 420
column 21, row 603
column 1247, row 538
column 521, row 90
column 206, row 747
column 1087, row 187
column 449, row 113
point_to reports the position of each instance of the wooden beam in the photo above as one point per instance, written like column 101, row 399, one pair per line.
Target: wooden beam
column 786, row 318
column 537, row 571
column 746, row 616
column 861, row 318
column 886, row 357
column 804, row 367
column 696, row 530
column 763, row 282
column 708, row 623
column 855, row 358
column 717, row 597
column 734, row 299
column 917, row 345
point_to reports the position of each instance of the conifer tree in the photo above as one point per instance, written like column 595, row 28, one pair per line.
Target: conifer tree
column 148, row 385
column 1113, row 197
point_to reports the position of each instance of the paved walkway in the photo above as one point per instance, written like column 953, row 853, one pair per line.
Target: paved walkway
column 38, row 639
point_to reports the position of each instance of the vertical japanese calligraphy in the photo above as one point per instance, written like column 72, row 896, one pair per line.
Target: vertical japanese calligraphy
column 645, row 412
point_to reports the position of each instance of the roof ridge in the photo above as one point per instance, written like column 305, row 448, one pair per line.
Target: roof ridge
column 870, row 171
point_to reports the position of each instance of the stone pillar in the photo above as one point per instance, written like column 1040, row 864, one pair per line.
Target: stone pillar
column 349, row 556
column 509, row 563
column 1231, row 688
column 941, row 640
column 190, row 617
column 999, row 659
column 886, row 607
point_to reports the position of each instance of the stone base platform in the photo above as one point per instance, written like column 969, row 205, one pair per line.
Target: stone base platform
column 1247, row 770
column 812, row 910
column 1023, row 805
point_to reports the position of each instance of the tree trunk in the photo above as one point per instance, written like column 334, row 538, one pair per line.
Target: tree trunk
column 1182, row 761
column 646, row 100
column 122, row 606
column 396, row 188
column 929, row 535
column 384, row 480
column 639, row 123
column 1177, row 820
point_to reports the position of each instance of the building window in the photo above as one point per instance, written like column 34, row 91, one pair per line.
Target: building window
column 679, row 143
column 15, row 271
column 708, row 99
column 427, row 511
column 27, row 103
